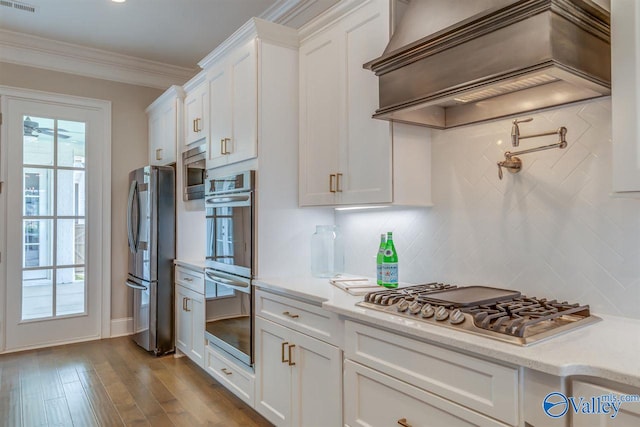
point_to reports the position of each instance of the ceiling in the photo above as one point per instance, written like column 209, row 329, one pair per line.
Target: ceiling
column 175, row 32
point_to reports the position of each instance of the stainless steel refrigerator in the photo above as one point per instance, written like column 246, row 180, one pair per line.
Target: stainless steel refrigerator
column 151, row 230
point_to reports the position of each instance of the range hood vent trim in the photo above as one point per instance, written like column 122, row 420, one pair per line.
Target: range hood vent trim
column 583, row 16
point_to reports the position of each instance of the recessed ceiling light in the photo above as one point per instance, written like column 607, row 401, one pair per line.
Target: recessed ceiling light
column 118, row 1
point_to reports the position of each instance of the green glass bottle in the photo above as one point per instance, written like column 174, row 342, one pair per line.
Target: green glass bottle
column 390, row 264
column 379, row 260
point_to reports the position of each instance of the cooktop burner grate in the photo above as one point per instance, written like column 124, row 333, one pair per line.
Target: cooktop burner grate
column 521, row 320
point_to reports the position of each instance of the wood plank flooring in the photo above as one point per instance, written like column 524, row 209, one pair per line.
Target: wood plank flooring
column 113, row 382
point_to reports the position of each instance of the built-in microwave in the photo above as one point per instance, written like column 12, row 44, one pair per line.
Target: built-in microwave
column 194, row 173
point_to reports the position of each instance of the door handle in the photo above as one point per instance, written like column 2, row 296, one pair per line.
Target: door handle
column 186, row 304
column 338, row 182
column 284, row 344
column 134, row 286
column 332, row 177
column 129, row 216
column 291, row 362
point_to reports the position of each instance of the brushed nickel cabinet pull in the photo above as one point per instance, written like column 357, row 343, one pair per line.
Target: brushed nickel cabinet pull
column 188, row 279
column 293, row 316
column 226, row 371
column 159, row 154
column 186, row 301
column 338, row 182
column 332, row 177
column 184, row 304
column 284, row 344
column 196, row 125
column 291, row 362
column 403, row 422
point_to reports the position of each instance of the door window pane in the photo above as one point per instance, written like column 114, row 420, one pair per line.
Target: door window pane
column 70, row 242
column 71, row 144
column 37, row 294
column 71, row 192
column 70, row 291
column 38, row 141
column 38, row 242
column 37, row 189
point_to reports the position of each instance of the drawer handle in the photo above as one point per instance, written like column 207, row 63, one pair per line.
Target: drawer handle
column 293, row 316
column 403, row 422
column 226, row 371
column 284, row 344
column 291, row 362
column 188, row 279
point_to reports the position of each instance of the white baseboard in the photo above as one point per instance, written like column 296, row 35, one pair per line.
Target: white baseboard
column 121, row 327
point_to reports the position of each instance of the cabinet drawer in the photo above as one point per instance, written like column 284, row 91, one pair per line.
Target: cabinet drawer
column 483, row 386
column 190, row 279
column 300, row 316
column 234, row 377
column 375, row 399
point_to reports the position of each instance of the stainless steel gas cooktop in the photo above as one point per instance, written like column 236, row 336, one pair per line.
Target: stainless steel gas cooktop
column 501, row 314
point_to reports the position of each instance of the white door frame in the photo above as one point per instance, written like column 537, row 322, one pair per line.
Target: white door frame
column 104, row 109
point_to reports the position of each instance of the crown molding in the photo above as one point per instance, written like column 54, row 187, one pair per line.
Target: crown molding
column 38, row 52
column 329, row 16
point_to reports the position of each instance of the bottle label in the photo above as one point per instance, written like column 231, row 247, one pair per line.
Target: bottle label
column 390, row 273
column 379, row 274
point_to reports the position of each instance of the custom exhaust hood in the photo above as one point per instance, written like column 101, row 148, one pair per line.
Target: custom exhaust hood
column 455, row 62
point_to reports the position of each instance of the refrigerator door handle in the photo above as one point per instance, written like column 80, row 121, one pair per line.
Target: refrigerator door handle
column 134, row 286
column 139, row 220
column 130, row 239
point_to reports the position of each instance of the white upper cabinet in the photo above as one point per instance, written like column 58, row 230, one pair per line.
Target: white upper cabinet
column 164, row 116
column 236, row 74
column 625, row 74
column 196, row 104
column 346, row 156
column 233, row 96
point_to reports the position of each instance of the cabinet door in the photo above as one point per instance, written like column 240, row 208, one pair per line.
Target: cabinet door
column 625, row 100
column 321, row 86
column 628, row 414
column 155, row 132
column 195, row 105
column 183, row 322
column 273, row 373
column 195, row 305
column 219, row 115
column 244, row 104
column 365, row 152
column 316, row 382
column 376, row 399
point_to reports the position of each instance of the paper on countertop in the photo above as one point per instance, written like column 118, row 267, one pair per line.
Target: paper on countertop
column 355, row 285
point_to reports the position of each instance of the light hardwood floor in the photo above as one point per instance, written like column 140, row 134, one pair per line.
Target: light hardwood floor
column 113, row 382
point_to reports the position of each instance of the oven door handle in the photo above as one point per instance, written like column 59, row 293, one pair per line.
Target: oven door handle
column 229, row 200
column 234, row 284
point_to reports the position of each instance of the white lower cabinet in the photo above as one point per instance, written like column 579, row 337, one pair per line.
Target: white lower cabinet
column 236, row 378
column 375, row 399
column 190, row 322
column 627, row 415
column 384, row 368
column 298, row 377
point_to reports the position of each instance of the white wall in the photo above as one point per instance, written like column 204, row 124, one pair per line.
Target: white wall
column 551, row 231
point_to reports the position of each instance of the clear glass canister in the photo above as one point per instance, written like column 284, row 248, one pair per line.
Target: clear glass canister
column 327, row 251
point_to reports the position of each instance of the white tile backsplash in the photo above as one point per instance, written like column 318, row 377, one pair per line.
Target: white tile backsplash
column 552, row 230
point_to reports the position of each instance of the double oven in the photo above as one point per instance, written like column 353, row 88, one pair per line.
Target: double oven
column 230, row 218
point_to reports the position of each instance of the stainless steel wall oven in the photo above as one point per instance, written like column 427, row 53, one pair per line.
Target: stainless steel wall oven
column 230, row 213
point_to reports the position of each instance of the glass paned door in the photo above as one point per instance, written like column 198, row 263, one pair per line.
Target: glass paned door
column 55, row 217
column 53, row 200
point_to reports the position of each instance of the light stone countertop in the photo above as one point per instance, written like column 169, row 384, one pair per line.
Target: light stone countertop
column 608, row 349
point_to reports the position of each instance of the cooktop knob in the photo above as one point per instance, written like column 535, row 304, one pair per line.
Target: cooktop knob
column 456, row 317
column 427, row 311
column 402, row 305
column 441, row 313
column 415, row 307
